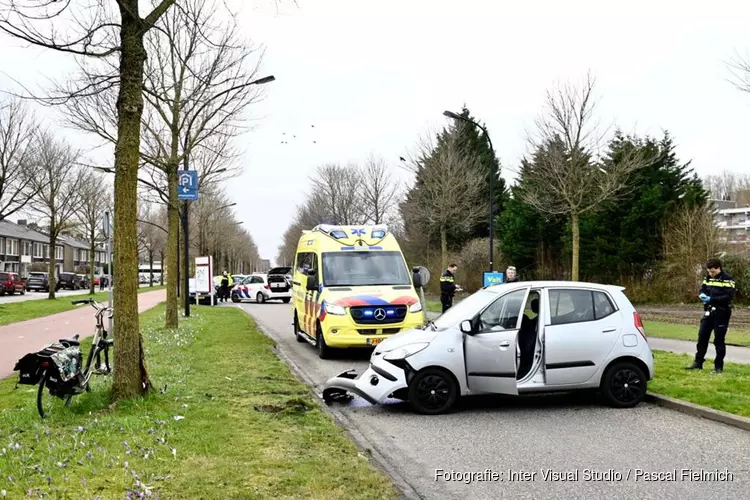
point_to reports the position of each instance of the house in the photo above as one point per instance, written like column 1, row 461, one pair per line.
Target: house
column 76, row 254
column 23, row 246
column 733, row 220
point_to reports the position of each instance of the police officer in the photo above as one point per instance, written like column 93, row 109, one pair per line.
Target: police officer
column 717, row 292
column 226, row 282
column 448, row 287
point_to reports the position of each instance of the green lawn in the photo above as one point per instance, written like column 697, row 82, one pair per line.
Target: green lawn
column 227, row 420
column 690, row 333
column 13, row 312
column 729, row 392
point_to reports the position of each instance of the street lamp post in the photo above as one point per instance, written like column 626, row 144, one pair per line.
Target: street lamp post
column 455, row 116
column 185, row 167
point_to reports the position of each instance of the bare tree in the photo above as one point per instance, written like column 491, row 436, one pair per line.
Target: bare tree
column 447, row 196
column 691, row 237
column 380, row 190
column 58, row 183
column 92, row 30
column 336, row 190
column 727, row 185
column 567, row 178
column 95, row 199
column 17, row 128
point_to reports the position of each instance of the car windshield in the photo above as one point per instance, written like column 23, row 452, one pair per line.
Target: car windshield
column 364, row 268
column 36, row 275
column 465, row 309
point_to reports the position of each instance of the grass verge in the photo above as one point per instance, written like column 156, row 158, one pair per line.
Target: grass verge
column 13, row 312
column 729, row 392
column 227, row 420
column 690, row 333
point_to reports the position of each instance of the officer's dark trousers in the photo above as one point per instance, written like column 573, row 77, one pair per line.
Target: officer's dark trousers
column 447, row 302
column 718, row 322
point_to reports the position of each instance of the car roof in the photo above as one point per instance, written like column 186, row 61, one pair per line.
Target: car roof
column 552, row 284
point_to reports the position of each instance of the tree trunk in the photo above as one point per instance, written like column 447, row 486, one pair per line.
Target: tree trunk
column 443, row 248
column 52, row 279
column 130, row 375
column 576, row 245
column 173, row 226
column 150, row 268
column 92, row 260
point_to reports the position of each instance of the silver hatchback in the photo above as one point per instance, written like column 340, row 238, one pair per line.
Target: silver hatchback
column 514, row 338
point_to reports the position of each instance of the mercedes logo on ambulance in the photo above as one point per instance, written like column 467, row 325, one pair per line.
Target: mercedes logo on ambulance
column 380, row 314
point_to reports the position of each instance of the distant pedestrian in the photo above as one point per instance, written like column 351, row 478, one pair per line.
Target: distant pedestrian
column 716, row 293
column 512, row 275
column 448, row 286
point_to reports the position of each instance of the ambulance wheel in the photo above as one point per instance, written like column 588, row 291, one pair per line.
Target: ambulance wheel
column 297, row 333
column 324, row 352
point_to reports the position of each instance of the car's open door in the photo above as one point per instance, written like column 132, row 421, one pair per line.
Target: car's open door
column 490, row 344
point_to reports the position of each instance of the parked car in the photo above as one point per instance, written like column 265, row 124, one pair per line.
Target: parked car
column 513, row 338
column 11, row 283
column 39, row 281
column 263, row 287
column 69, row 281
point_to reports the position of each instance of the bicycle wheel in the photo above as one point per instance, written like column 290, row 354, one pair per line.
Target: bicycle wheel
column 44, row 404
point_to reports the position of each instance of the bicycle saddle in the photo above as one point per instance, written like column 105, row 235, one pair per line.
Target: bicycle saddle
column 73, row 341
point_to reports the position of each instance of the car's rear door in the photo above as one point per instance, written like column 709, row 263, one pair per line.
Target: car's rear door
column 490, row 352
column 583, row 326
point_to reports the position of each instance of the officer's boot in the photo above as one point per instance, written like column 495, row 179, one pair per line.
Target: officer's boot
column 695, row 366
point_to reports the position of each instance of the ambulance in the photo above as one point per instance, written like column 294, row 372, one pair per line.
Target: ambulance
column 351, row 287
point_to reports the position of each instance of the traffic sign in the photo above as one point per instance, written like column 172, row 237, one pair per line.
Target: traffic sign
column 493, row 279
column 187, row 185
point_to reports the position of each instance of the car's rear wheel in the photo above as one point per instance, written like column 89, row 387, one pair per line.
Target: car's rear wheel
column 235, row 298
column 285, row 300
column 260, row 298
column 624, row 385
column 432, row 391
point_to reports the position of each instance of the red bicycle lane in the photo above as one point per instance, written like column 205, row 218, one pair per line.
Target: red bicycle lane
column 18, row 339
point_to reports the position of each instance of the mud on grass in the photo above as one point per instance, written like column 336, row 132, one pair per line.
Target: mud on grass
column 729, row 391
column 226, row 419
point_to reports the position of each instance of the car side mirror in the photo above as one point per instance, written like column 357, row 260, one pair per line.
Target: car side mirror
column 418, row 280
column 312, row 280
column 466, row 327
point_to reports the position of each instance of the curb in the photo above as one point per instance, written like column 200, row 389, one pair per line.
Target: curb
column 368, row 450
column 699, row 411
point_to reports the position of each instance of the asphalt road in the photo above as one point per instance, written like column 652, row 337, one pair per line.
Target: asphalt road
column 562, row 434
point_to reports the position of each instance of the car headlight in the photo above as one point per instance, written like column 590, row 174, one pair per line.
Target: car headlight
column 416, row 307
column 335, row 310
column 404, row 351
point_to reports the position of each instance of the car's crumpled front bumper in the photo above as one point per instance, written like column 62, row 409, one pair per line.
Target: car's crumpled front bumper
column 375, row 385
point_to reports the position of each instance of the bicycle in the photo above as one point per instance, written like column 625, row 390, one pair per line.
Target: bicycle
column 58, row 365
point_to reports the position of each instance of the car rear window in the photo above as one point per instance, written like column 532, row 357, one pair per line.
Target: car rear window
column 36, row 275
column 3, row 276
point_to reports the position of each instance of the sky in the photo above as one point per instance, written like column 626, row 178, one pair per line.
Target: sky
column 374, row 76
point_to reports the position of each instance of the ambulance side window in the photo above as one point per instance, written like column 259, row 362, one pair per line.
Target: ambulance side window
column 305, row 261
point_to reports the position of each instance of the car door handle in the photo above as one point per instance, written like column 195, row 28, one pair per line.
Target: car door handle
column 505, row 343
column 609, row 330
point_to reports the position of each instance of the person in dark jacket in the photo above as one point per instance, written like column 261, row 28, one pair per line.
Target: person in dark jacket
column 448, row 287
column 716, row 293
column 511, row 275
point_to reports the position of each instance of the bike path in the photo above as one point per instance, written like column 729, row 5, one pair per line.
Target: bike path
column 18, row 339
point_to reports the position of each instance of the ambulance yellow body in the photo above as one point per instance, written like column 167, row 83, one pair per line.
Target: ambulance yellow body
column 352, row 288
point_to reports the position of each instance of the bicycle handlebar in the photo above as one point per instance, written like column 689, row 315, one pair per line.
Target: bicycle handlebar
column 83, row 301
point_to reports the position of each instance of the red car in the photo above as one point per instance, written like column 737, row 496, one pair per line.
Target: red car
column 11, row 283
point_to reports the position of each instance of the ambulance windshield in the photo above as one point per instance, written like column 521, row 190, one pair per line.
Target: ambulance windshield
column 364, row 269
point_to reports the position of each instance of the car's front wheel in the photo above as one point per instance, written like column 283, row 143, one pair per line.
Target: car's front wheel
column 624, row 385
column 433, row 391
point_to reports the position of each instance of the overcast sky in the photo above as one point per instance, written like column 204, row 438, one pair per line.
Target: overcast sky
column 373, row 76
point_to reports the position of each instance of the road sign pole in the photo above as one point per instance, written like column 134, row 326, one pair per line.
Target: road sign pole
column 187, row 191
